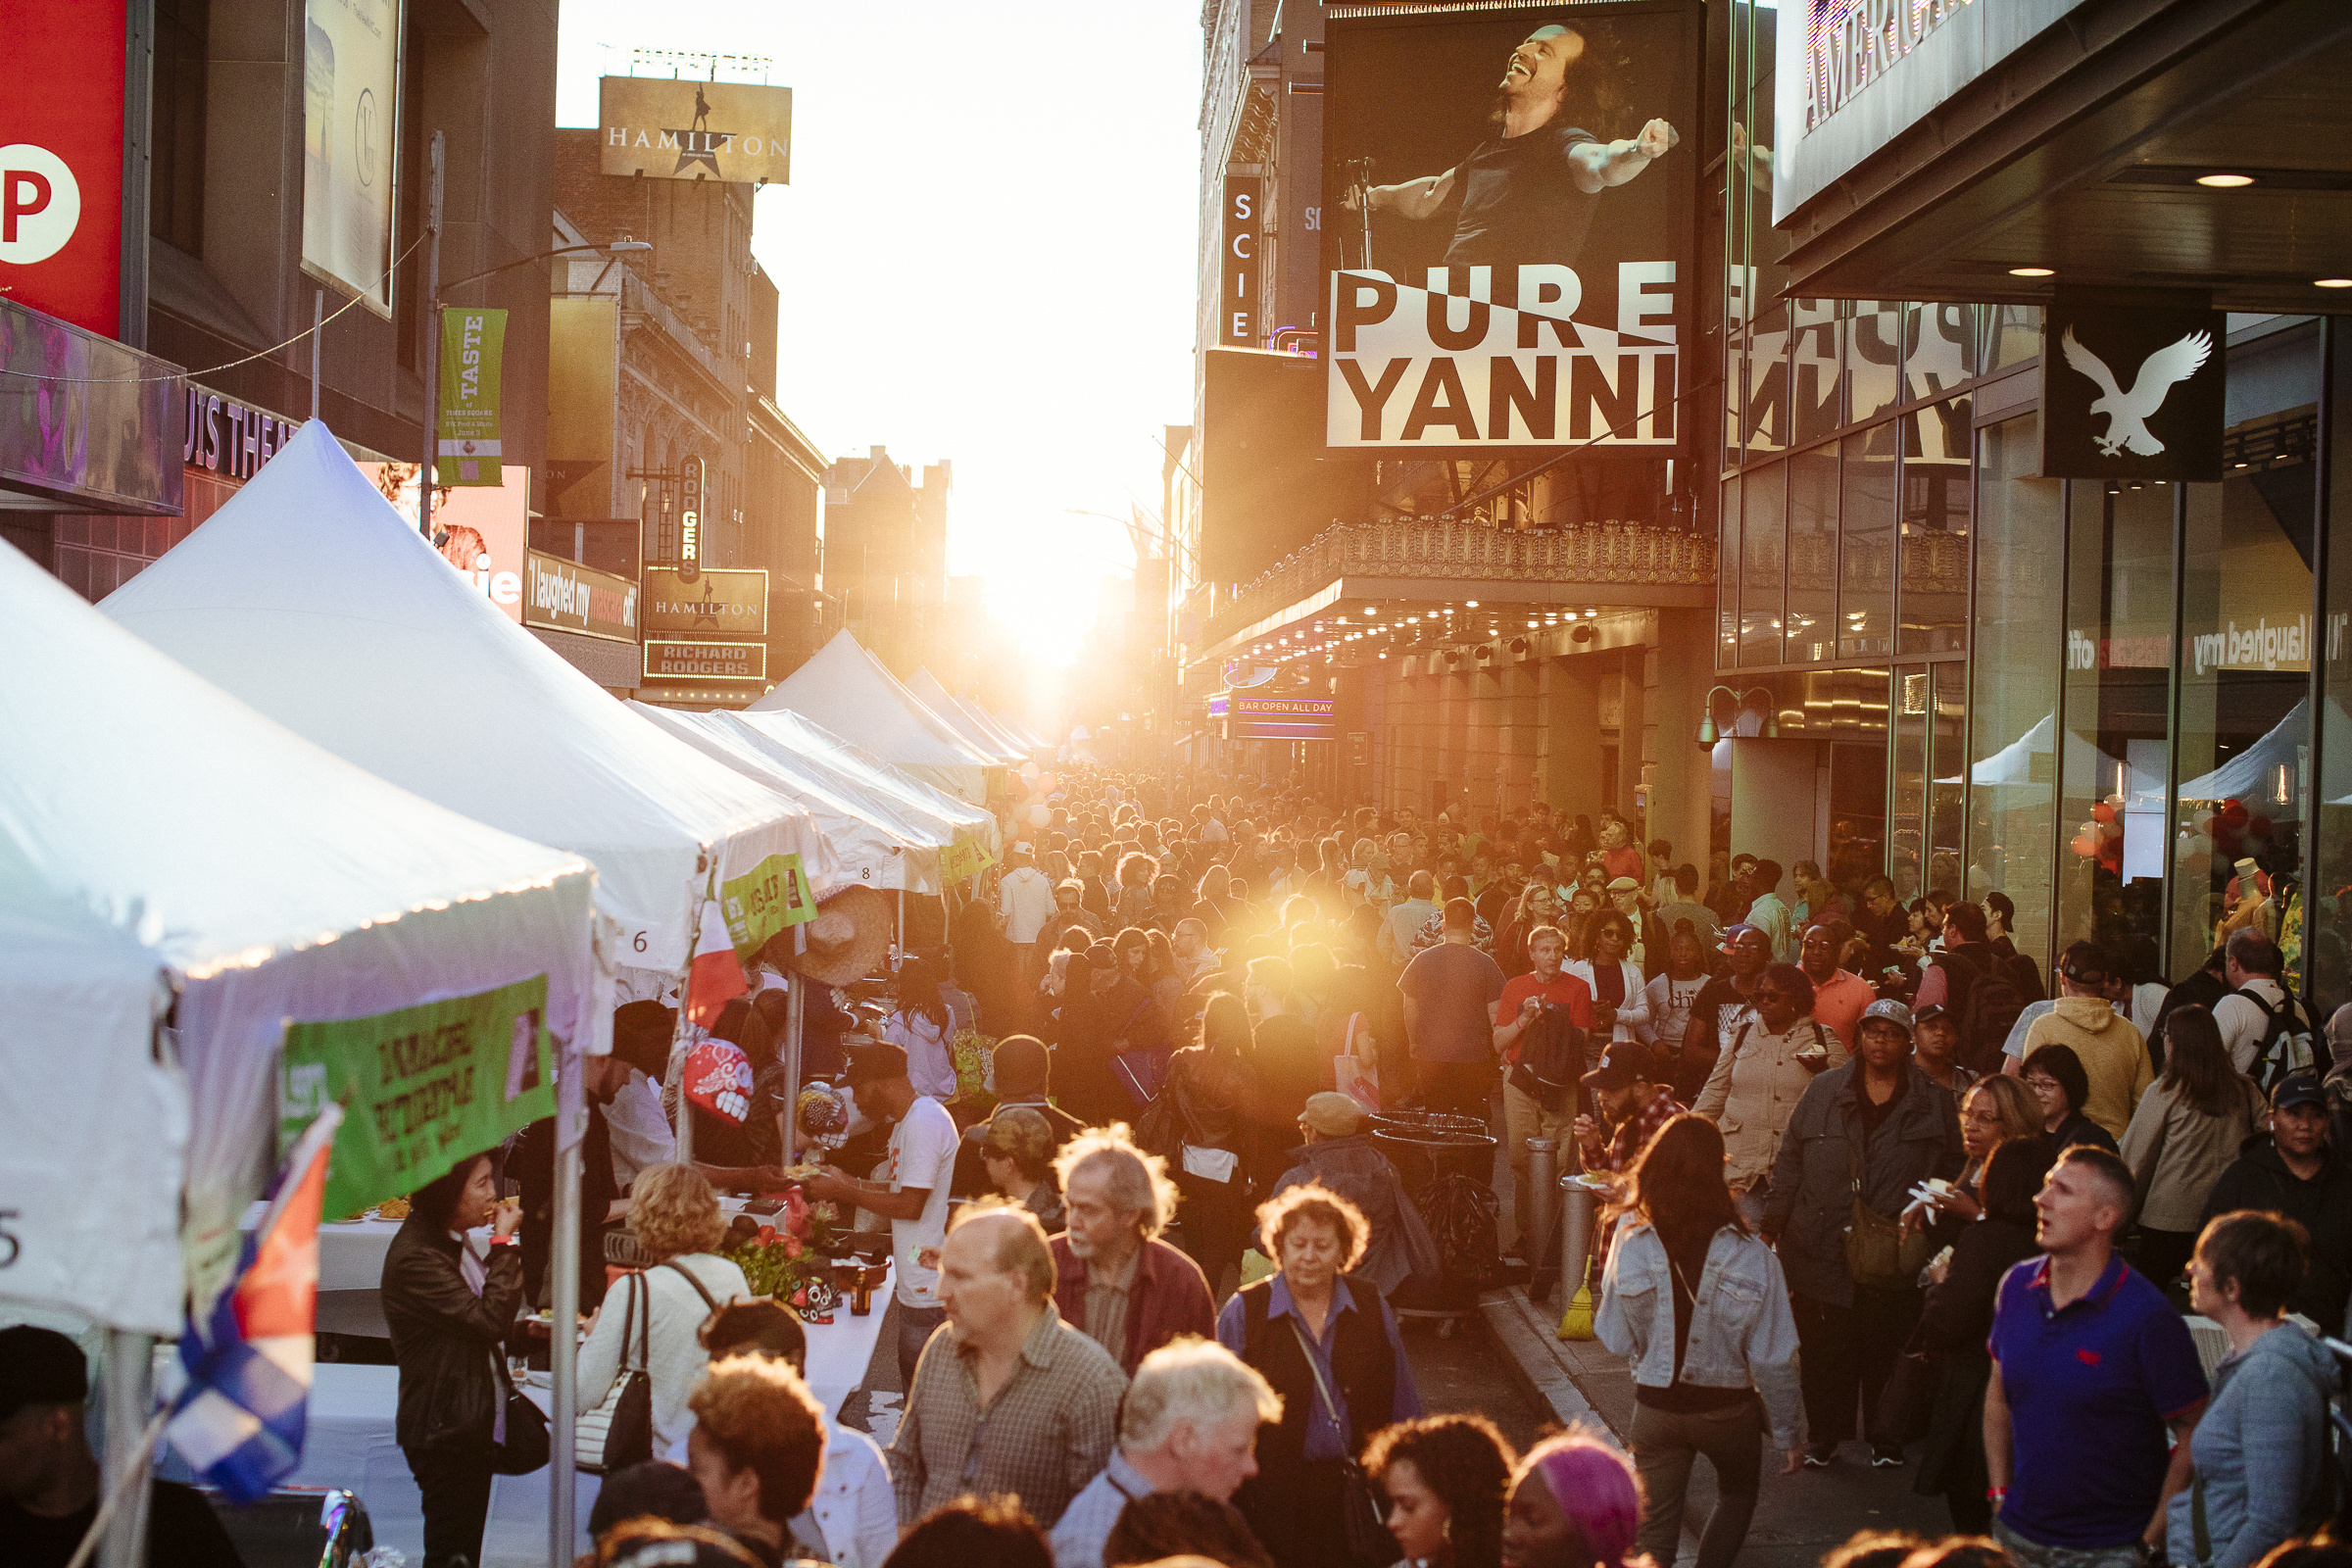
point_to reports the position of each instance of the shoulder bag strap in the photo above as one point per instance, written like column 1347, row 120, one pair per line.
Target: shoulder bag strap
column 2202, row 1537
column 1315, row 1369
column 688, row 1276
column 644, row 1324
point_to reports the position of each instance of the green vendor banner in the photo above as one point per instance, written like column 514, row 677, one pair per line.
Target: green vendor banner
column 472, row 351
column 768, row 898
column 420, row 1088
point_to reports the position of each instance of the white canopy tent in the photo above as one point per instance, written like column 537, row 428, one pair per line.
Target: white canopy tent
column 2014, row 763
column 819, row 747
column 848, row 693
column 1022, row 733
column 270, row 880
column 1019, row 745
column 976, row 734
column 2253, row 774
column 873, row 845
column 415, row 676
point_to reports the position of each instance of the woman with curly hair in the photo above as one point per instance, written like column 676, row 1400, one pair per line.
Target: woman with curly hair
column 1446, row 1477
column 1574, row 1504
column 1329, row 1346
column 674, row 1216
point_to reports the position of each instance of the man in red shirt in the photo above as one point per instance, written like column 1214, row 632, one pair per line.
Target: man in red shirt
column 1839, row 995
column 1524, row 1114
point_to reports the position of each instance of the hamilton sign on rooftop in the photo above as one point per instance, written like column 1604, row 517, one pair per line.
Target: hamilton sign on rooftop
column 665, row 128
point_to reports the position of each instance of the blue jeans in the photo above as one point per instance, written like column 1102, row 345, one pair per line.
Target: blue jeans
column 915, row 1326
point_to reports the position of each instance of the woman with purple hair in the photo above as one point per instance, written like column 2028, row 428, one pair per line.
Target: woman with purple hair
column 1574, row 1504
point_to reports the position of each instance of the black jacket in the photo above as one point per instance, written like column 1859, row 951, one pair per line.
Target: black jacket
column 2323, row 1205
column 1954, row 1324
column 444, row 1337
column 1812, row 1195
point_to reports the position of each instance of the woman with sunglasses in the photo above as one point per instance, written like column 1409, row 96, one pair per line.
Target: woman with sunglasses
column 1769, row 1062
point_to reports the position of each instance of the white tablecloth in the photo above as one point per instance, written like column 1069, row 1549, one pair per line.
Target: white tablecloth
column 350, row 1445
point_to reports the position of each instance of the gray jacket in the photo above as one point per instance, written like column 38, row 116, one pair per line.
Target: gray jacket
column 1742, row 1333
column 2258, row 1448
column 1812, row 1199
column 1401, row 1245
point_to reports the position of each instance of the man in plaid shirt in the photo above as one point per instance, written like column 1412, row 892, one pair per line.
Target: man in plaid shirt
column 1635, row 1099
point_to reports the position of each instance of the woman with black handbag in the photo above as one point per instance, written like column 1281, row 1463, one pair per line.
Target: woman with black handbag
column 449, row 1311
column 1328, row 1343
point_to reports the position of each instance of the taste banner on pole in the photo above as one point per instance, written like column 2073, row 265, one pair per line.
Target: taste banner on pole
column 420, row 1087
column 473, row 353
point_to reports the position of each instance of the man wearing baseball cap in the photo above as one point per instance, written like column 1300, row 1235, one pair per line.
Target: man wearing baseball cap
column 49, row 1477
column 2295, row 1170
column 909, row 1188
column 1335, row 1148
column 1633, row 1095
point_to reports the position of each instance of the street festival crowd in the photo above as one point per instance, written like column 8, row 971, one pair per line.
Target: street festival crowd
column 1170, row 1121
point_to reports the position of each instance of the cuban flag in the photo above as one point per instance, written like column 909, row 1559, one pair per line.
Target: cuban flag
column 239, row 1423
column 716, row 977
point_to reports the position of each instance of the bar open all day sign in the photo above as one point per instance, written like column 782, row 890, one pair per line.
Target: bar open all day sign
column 420, row 1088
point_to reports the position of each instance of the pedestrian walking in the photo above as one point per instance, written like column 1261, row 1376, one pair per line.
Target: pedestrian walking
column 1445, row 1479
column 1450, row 992
column 1698, row 1306
column 1575, row 1503
column 1328, row 1343
column 2294, row 1169
column 2186, row 1132
column 1860, row 1139
column 2088, row 1358
column 1114, row 1277
column 1771, row 1060
column 2259, row 1456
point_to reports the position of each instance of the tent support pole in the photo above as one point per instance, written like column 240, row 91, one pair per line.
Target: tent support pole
column 796, row 999
column 130, row 1369
column 564, row 1341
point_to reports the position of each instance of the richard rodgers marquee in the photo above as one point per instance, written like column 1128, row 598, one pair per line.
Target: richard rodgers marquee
column 1510, row 250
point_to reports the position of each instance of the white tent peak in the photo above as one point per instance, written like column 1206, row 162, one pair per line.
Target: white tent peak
column 846, row 690
column 974, row 732
column 311, row 598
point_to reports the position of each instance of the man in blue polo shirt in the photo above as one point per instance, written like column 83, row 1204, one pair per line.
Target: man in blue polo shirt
column 2089, row 1368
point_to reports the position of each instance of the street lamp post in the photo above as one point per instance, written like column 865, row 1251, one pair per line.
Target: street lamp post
column 433, row 286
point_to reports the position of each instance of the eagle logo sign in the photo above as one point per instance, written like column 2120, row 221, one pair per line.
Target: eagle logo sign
column 2128, row 413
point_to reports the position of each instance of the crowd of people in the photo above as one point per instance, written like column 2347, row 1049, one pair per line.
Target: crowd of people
column 1872, row 1198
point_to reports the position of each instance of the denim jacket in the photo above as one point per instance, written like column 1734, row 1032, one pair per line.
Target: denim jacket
column 1742, row 1333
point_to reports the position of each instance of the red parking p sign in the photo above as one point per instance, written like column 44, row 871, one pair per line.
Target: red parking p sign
column 61, row 160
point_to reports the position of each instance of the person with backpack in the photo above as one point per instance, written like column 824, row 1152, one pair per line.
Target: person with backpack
column 1549, row 1008
column 1967, row 964
column 1772, row 1060
column 2265, row 1027
column 2115, row 1066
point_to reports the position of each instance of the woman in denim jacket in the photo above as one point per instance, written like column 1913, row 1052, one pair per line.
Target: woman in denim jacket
column 1697, row 1306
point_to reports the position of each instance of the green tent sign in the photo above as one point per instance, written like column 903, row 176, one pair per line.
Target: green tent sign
column 474, row 346
column 420, row 1088
column 762, row 902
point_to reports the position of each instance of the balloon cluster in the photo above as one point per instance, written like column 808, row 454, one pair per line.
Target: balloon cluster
column 2102, row 839
column 2227, row 829
column 1037, row 790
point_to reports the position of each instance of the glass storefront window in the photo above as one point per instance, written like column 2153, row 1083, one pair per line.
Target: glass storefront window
column 1811, row 633
column 2012, row 335
column 2243, row 740
column 1934, row 603
column 1907, row 781
column 1866, row 544
column 2013, row 696
column 1727, row 579
column 1813, row 361
column 1939, row 349
column 1947, row 708
column 2327, row 921
column 2113, row 757
column 1874, row 344
column 1762, row 538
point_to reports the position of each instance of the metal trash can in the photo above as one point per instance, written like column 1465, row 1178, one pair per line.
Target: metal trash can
column 1425, row 1145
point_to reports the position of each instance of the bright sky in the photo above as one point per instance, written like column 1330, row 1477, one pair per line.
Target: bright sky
column 985, row 254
